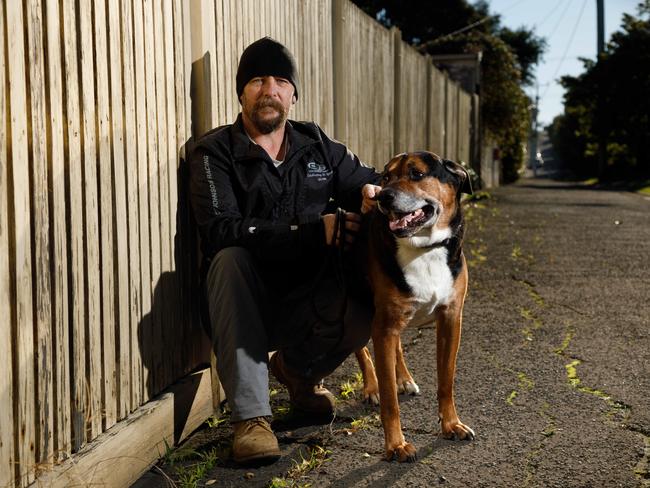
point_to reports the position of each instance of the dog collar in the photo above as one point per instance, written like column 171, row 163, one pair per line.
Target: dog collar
column 437, row 244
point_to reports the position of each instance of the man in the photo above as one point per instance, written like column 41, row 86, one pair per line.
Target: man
column 263, row 191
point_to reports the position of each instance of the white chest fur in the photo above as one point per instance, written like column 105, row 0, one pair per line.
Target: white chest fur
column 427, row 273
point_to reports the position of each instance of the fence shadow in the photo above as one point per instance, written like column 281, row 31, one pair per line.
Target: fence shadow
column 170, row 337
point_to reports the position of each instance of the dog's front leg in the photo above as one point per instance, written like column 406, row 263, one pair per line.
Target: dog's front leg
column 448, row 339
column 385, row 337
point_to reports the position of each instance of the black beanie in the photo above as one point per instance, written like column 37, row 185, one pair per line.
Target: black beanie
column 266, row 57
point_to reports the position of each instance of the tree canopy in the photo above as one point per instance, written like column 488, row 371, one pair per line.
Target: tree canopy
column 508, row 59
column 609, row 101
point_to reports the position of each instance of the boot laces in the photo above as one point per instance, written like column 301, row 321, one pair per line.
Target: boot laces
column 258, row 421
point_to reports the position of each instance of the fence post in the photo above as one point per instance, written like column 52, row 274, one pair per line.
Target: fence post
column 397, row 109
column 475, row 135
column 202, row 117
column 339, row 30
column 429, row 96
column 443, row 140
column 200, row 84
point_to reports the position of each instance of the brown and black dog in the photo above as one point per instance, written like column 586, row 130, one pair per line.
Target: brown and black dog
column 417, row 272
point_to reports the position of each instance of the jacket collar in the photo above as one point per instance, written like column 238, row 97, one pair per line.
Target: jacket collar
column 300, row 135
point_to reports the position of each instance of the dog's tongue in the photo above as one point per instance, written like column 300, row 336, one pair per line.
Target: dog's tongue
column 404, row 221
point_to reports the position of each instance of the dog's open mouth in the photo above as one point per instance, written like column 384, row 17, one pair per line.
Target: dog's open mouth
column 400, row 222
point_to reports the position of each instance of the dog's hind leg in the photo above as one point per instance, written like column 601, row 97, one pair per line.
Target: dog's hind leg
column 404, row 380
column 370, row 385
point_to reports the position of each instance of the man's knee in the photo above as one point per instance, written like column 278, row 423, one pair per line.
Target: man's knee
column 234, row 290
column 230, row 263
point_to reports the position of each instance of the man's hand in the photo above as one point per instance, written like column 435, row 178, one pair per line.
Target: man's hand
column 369, row 193
column 332, row 237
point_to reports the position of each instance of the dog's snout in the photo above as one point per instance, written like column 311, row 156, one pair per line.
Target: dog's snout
column 386, row 197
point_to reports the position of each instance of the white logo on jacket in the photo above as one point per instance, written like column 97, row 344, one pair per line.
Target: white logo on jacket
column 318, row 170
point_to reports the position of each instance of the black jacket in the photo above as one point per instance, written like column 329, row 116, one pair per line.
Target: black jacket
column 240, row 198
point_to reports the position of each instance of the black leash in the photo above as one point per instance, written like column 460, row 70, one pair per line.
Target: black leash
column 334, row 261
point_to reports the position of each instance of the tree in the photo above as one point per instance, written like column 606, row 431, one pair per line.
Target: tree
column 527, row 48
column 508, row 59
column 610, row 98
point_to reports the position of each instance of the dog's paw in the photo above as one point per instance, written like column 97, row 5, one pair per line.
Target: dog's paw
column 408, row 386
column 457, row 431
column 404, row 452
column 371, row 396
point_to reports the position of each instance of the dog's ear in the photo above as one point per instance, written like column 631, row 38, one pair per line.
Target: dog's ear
column 461, row 172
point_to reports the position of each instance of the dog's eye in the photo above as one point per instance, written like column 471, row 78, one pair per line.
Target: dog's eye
column 415, row 175
column 385, row 178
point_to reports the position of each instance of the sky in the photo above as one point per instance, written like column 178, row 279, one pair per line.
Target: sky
column 569, row 27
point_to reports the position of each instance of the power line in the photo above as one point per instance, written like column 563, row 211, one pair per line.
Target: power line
column 466, row 28
column 551, row 12
column 568, row 45
column 478, row 22
column 561, row 58
column 557, row 24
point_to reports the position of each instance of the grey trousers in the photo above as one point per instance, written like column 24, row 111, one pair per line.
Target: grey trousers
column 248, row 319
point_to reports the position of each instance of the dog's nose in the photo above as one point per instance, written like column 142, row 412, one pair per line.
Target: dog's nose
column 386, row 197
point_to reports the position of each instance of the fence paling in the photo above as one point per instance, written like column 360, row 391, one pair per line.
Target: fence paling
column 103, row 337
column 131, row 396
column 40, row 202
column 142, row 203
column 60, row 351
column 20, row 250
column 6, row 386
column 121, row 363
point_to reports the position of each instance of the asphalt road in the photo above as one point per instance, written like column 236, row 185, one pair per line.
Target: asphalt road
column 553, row 371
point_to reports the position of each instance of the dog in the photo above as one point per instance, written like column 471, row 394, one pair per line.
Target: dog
column 417, row 273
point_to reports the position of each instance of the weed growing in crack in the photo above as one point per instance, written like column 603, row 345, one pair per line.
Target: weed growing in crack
column 349, row 388
column 189, row 476
column 317, row 455
column 535, row 325
column 642, row 469
column 570, row 331
column 281, row 412
column 534, row 454
column 215, row 421
column 523, row 383
column 616, row 408
column 477, row 255
column 366, row 422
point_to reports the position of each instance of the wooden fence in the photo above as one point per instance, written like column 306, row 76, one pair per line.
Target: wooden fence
column 98, row 100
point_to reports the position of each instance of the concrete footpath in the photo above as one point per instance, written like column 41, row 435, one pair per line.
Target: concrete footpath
column 553, row 370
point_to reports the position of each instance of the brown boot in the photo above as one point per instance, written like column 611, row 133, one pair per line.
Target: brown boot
column 305, row 396
column 254, row 442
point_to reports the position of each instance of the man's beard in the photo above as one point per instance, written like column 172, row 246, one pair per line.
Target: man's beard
column 265, row 125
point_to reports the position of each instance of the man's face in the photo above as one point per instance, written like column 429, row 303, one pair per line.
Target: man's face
column 266, row 101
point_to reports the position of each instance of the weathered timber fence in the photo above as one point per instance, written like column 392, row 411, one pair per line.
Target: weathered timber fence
column 98, row 100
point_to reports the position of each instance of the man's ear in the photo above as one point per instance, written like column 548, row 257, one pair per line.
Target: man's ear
column 461, row 172
column 293, row 99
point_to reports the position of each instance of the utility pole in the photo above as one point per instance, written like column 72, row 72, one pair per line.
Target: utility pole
column 600, row 7
column 602, row 140
column 534, row 135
